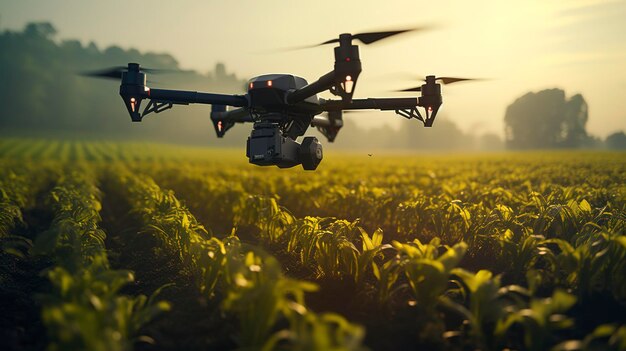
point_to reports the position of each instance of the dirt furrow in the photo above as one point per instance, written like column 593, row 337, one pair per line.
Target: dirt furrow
column 21, row 280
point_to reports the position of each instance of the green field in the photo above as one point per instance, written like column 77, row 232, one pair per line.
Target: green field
column 120, row 246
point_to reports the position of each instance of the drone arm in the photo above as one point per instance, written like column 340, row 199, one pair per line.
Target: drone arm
column 325, row 82
column 329, row 126
column 239, row 115
column 224, row 120
column 319, row 121
column 370, row 104
column 194, row 97
column 405, row 107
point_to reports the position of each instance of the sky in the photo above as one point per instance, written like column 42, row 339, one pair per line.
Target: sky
column 517, row 46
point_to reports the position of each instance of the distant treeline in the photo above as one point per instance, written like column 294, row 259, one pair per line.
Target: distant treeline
column 43, row 94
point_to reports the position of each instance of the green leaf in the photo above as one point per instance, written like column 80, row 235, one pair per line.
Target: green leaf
column 584, row 206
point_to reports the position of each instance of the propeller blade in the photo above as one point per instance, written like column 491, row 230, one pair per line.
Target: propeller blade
column 450, row 80
column 116, row 72
column 331, row 41
column 443, row 80
column 111, row 73
column 372, row 37
column 412, row 89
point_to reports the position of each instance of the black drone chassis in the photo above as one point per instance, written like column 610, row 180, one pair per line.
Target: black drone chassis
column 283, row 106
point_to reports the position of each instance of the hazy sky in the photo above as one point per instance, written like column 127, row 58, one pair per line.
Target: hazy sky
column 521, row 45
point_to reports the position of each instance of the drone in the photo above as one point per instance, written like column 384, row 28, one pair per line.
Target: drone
column 283, row 106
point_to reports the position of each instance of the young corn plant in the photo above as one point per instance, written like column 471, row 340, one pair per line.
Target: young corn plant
column 10, row 212
column 387, row 275
column 86, row 311
column 19, row 182
column 264, row 213
column 335, row 254
column 603, row 337
column 520, row 253
column 209, row 264
column 575, row 217
column 427, row 271
column 328, row 331
column 540, row 320
column 302, row 237
column 326, row 244
column 413, row 216
column 453, row 222
column 484, row 304
column 371, row 248
column 596, row 264
column 259, row 296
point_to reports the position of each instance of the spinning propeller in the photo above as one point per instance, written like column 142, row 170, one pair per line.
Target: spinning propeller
column 443, row 80
column 116, row 72
column 365, row 38
column 372, row 37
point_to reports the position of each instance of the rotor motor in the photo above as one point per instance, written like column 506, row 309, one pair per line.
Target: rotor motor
column 133, row 89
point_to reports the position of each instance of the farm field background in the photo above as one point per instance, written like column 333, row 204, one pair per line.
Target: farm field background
column 119, row 246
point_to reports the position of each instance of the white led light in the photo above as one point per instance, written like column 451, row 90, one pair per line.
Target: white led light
column 348, row 85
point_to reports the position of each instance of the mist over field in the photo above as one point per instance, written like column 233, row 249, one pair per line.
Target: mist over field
column 44, row 94
column 500, row 227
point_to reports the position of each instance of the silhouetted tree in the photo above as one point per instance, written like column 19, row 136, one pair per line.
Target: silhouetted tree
column 40, row 29
column 546, row 120
column 616, row 141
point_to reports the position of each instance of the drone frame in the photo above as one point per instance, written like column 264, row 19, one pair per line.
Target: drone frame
column 286, row 103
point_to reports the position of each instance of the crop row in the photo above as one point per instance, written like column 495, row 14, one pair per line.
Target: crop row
column 490, row 252
column 84, row 309
column 580, row 256
column 449, row 203
column 589, row 264
column 19, row 185
column 90, row 151
column 248, row 281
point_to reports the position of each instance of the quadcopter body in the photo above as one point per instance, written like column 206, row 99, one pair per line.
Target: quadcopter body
column 283, row 106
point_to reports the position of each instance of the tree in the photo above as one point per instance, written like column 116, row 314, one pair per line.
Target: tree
column 40, row 29
column 546, row 119
column 616, row 141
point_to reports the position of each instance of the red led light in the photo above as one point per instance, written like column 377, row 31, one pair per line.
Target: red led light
column 269, row 83
column 219, row 126
column 251, row 85
column 347, row 59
